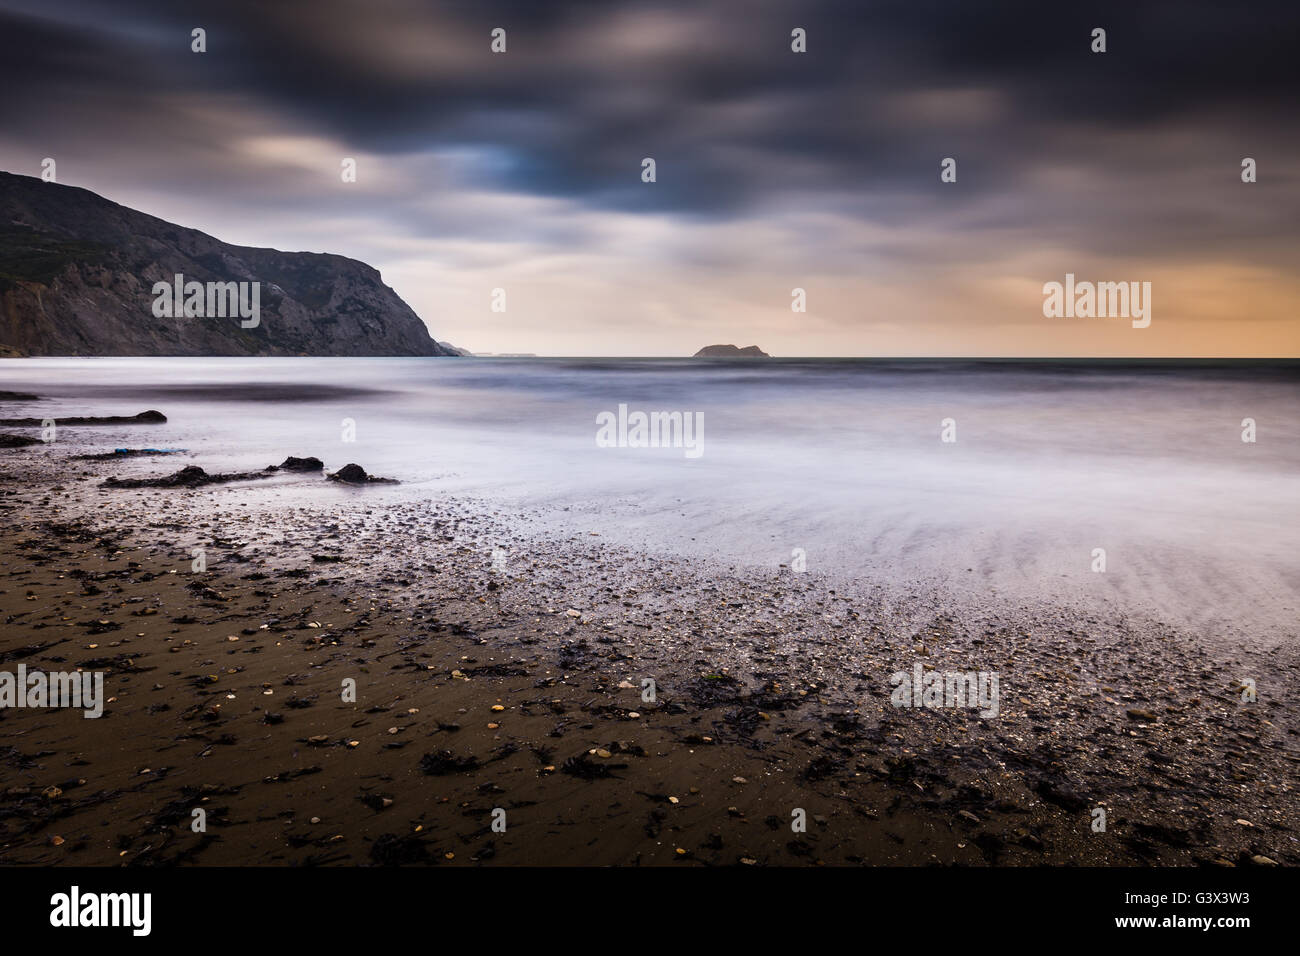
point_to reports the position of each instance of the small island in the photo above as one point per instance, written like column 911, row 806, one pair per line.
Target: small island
column 731, row 351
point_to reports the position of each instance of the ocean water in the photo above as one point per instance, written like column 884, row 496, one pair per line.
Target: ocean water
column 841, row 461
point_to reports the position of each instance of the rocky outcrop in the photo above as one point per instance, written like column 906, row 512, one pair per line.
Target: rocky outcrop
column 354, row 474
column 77, row 274
column 731, row 351
column 151, row 417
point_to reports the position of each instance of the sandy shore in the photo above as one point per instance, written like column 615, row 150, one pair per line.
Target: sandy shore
column 499, row 666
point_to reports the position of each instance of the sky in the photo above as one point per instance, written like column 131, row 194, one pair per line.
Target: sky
column 774, row 169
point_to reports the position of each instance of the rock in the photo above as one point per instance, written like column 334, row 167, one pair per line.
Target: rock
column 354, row 474
column 731, row 351
column 17, row 441
column 351, row 472
column 1260, row 860
column 1142, row 715
column 299, row 464
column 151, row 417
column 191, row 476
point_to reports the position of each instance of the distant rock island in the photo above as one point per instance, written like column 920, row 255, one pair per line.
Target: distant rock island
column 77, row 274
column 731, row 351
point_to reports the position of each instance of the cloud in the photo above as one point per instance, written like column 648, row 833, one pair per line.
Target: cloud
column 820, row 168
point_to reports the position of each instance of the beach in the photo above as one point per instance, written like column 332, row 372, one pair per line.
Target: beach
column 499, row 628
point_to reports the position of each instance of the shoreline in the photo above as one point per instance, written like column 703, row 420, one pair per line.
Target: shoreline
column 776, row 680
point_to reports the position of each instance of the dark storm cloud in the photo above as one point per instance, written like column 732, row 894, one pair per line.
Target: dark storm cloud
column 775, row 169
column 709, row 89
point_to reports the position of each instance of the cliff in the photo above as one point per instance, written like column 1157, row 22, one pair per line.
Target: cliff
column 77, row 274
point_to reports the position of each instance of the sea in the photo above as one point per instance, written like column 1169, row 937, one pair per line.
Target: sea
column 1168, row 490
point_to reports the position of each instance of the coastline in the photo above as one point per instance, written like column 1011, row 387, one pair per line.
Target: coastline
column 772, row 696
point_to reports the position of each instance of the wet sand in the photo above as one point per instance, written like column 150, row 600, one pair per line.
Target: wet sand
column 499, row 666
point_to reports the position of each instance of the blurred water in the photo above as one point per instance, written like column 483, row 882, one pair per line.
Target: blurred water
column 840, row 458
